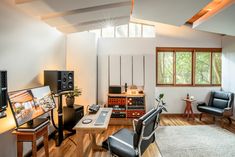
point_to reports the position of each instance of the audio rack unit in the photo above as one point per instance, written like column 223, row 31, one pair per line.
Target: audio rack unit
column 126, row 105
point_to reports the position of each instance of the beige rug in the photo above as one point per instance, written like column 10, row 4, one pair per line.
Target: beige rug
column 195, row 141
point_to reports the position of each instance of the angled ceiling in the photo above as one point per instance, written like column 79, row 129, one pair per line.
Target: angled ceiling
column 223, row 22
column 68, row 15
column 174, row 12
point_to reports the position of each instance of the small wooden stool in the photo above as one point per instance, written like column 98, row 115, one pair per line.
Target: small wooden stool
column 23, row 136
column 188, row 109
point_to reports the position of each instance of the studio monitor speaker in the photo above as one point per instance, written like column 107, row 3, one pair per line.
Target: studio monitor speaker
column 59, row 81
column 3, row 90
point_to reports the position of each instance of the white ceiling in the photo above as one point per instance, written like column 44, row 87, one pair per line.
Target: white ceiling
column 83, row 17
column 174, row 12
column 94, row 25
column 79, row 15
column 222, row 22
column 44, row 7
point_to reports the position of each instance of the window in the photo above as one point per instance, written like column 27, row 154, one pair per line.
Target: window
column 108, row 32
column 189, row 66
column 165, row 68
column 203, row 64
column 183, row 67
column 122, row 31
column 97, row 32
column 148, row 31
column 134, row 30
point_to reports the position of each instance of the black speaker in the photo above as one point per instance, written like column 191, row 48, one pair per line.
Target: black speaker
column 3, row 90
column 59, row 81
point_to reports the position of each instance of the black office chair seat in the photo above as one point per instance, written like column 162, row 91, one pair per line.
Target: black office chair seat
column 211, row 110
column 127, row 143
column 116, row 145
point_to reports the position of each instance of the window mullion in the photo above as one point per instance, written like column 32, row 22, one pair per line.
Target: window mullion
column 211, row 68
column 193, row 66
column 174, row 67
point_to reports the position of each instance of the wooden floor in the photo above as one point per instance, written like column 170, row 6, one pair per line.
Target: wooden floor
column 68, row 147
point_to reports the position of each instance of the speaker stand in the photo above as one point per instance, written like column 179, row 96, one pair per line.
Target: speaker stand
column 3, row 114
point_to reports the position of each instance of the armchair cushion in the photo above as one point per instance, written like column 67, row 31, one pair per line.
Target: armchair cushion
column 211, row 110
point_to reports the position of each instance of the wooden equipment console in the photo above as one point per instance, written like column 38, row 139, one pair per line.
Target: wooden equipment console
column 126, row 105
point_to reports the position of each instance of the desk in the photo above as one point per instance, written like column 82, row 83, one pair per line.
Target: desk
column 188, row 109
column 82, row 129
column 32, row 137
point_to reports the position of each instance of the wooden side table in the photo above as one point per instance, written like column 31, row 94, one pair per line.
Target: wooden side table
column 23, row 136
column 188, row 109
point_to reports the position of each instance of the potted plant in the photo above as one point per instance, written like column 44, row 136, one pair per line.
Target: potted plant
column 161, row 104
column 70, row 96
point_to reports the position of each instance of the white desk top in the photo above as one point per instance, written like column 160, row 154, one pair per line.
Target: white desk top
column 88, row 127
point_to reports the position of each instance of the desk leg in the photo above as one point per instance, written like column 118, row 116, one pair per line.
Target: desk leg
column 45, row 140
column 80, row 149
column 34, row 148
column 19, row 149
column 95, row 147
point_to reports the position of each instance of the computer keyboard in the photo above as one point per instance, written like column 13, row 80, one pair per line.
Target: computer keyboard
column 101, row 118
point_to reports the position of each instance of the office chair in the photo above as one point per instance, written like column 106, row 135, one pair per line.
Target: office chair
column 126, row 143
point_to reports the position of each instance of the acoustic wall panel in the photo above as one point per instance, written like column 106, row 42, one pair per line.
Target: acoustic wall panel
column 138, row 70
column 102, row 78
column 114, row 70
column 126, row 70
column 150, row 75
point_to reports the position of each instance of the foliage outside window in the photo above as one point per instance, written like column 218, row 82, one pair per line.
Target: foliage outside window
column 189, row 66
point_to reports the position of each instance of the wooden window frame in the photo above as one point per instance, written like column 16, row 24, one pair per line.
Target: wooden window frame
column 193, row 51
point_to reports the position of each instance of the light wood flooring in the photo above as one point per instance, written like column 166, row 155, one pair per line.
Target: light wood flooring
column 68, row 147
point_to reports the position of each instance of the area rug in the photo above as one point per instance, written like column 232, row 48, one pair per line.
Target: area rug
column 195, row 141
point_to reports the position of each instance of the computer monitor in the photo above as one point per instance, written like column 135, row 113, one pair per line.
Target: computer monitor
column 29, row 104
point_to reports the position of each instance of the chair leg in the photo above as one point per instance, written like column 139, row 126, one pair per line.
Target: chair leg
column 200, row 117
column 213, row 118
column 230, row 120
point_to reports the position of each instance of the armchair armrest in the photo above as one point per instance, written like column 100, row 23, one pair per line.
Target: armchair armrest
column 228, row 111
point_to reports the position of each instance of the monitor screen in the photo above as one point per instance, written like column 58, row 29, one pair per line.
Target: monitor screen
column 30, row 103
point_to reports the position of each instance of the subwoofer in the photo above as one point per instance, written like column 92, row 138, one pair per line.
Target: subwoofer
column 59, row 81
column 3, row 90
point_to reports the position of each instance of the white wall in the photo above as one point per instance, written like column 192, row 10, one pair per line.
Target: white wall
column 228, row 60
column 27, row 47
column 166, row 36
column 81, row 57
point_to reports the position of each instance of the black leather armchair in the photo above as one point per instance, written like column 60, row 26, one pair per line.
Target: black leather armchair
column 220, row 105
column 126, row 143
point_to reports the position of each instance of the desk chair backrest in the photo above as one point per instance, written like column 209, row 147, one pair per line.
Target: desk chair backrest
column 146, row 126
column 221, row 99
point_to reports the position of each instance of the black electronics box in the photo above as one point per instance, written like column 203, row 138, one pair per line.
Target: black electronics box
column 72, row 115
column 3, row 90
column 115, row 89
column 59, row 81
